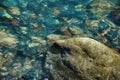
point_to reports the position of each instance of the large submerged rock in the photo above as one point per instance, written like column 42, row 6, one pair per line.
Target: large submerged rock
column 82, row 59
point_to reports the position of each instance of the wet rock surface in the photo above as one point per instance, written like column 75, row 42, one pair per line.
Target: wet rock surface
column 82, row 59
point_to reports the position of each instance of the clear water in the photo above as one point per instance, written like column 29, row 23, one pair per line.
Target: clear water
column 98, row 19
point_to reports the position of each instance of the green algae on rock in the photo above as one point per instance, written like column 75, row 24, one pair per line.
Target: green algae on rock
column 84, row 59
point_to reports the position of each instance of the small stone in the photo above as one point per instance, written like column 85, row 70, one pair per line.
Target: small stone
column 23, row 29
column 79, row 7
column 7, row 40
column 7, row 15
column 14, row 10
column 31, row 45
column 53, row 37
column 51, row 21
column 15, row 22
column 38, row 40
column 76, row 31
column 56, row 11
column 4, row 69
column 4, row 74
column 46, row 79
column 8, row 55
column 65, row 31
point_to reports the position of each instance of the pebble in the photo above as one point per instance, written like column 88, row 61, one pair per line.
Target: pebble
column 15, row 10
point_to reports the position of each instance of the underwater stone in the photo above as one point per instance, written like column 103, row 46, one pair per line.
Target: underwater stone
column 104, row 31
column 53, row 37
column 38, row 40
column 5, row 60
column 39, row 18
column 101, row 7
column 4, row 13
column 14, row 10
column 83, row 58
column 31, row 45
column 24, row 30
column 79, row 7
column 7, row 40
column 76, row 31
column 51, row 21
column 70, row 31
